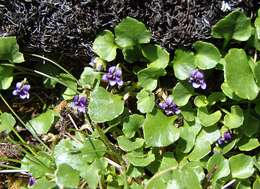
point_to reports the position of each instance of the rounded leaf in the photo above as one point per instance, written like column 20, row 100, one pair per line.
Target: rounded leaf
column 159, row 130
column 66, row 176
column 127, row 145
column 234, row 119
column 104, row 106
column 145, row 101
column 207, row 55
column 239, row 76
column 183, row 64
column 6, row 77
column 241, row 166
column 104, row 46
column 208, row 119
column 181, row 93
column 140, row 159
column 131, row 125
column 88, row 77
column 234, row 26
column 130, row 32
column 7, row 122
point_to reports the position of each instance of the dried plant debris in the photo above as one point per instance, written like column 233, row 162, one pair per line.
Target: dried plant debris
column 69, row 26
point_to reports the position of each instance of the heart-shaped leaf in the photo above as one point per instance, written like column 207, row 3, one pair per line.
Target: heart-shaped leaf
column 127, row 145
column 158, row 56
column 201, row 101
column 6, row 77
column 132, row 124
column 66, row 176
column 248, row 144
column 130, row 32
column 112, row 105
column 140, row 159
column 146, row 101
column 181, row 93
column 155, row 122
column 7, row 122
column 88, row 77
column 9, row 50
column 42, row 123
column 132, row 54
column 234, row 119
column 234, row 26
column 218, row 166
column 241, row 166
column 238, row 73
column 148, row 77
column 207, row 55
column 104, row 46
column 208, row 119
column 183, row 64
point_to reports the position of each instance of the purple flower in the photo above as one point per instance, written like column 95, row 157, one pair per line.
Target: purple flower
column 79, row 103
column 169, row 106
column 225, row 138
column 114, row 76
column 197, row 79
column 32, row 181
column 22, row 89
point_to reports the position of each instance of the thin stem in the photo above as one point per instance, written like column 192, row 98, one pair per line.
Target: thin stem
column 21, row 121
column 229, row 184
column 54, row 63
column 12, row 171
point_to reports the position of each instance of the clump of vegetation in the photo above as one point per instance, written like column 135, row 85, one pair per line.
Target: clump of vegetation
column 135, row 118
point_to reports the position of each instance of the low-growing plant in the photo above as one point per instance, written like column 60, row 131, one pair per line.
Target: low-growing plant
column 136, row 118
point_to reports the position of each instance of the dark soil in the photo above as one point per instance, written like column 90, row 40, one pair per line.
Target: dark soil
column 70, row 26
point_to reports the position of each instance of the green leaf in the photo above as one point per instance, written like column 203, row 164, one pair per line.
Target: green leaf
column 42, row 123
column 234, row 119
column 9, row 50
column 257, row 26
column 104, row 46
column 68, row 80
column 38, row 165
column 127, row 145
column 201, row 149
column 112, row 105
column 146, row 101
column 130, row 32
column 218, row 166
column 66, row 176
column 241, row 166
column 183, row 64
column 201, row 101
column 257, row 72
column 208, row 119
column 250, row 125
column 257, row 183
column 167, row 134
column 88, row 77
column 94, row 173
column 234, row 26
column 248, row 144
column 132, row 124
column 78, row 155
column 140, row 159
column 210, row 134
column 181, row 93
column 197, row 168
column 187, row 137
column 207, row 55
column 148, row 77
column 238, row 73
column 43, row 183
column 7, row 122
column 215, row 97
column 229, row 92
column 132, row 54
column 168, row 160
column 6, row 77
column 158, row 56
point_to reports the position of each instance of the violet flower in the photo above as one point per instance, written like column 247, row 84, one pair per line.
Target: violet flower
column 22, row 89
column 32, row 181
column 197, row 79
column 169, row 106
column 225, row 138
column 114, row 76
column 79, row 103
